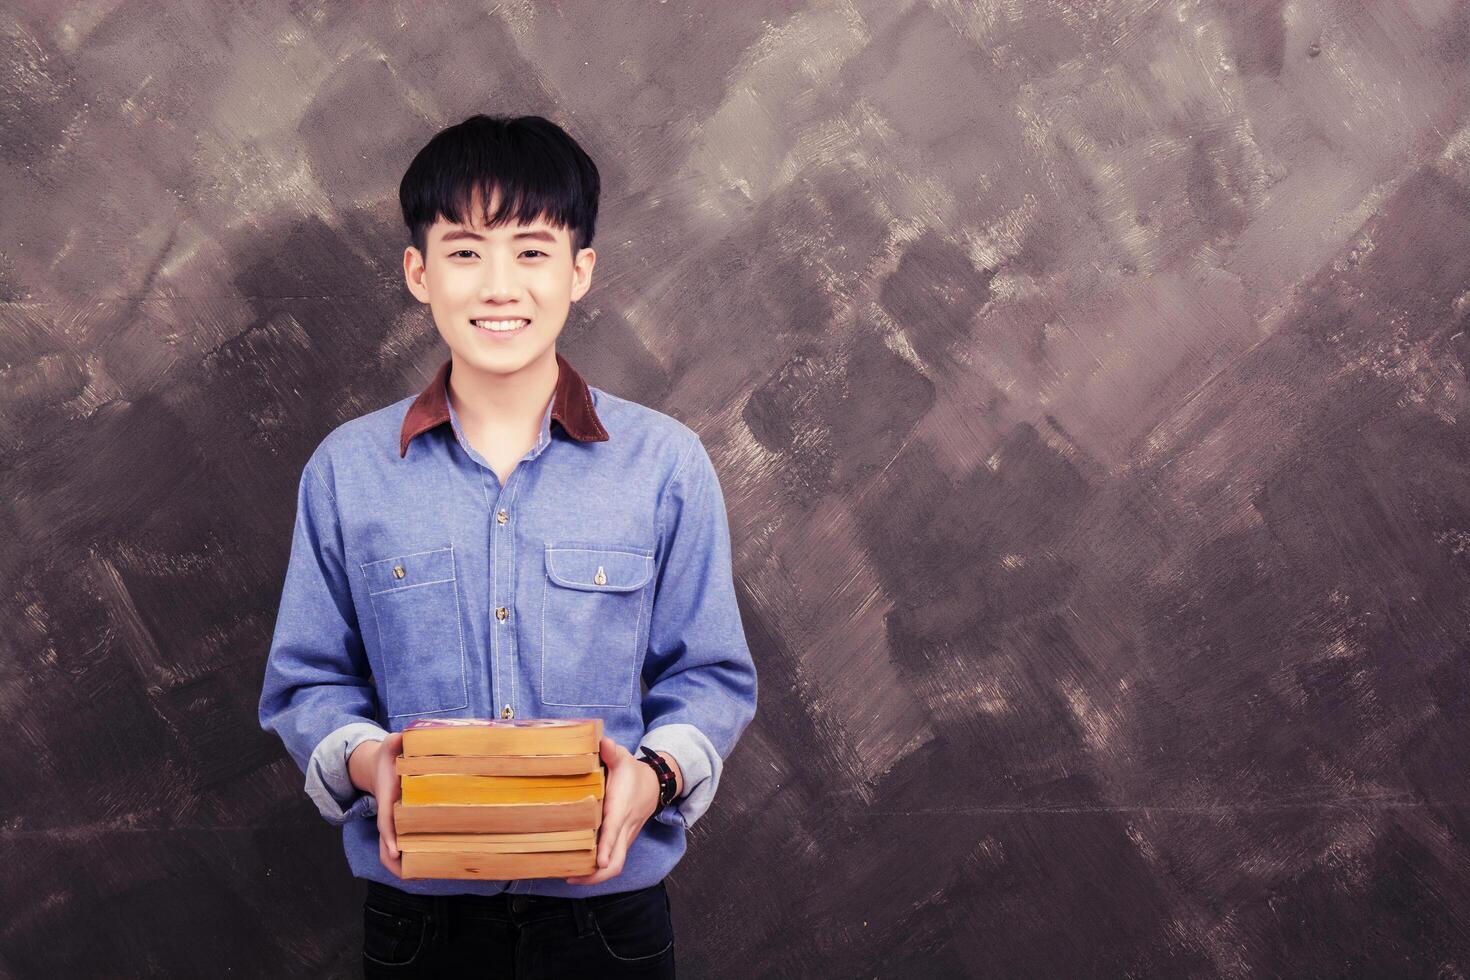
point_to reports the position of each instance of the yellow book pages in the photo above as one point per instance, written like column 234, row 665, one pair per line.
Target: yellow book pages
column 564, row 764
column 549, row 864
column 449, row 780
column 423, row 790
column 555, row 839
column 497, row 736
column 494, row 847
column 497, row 818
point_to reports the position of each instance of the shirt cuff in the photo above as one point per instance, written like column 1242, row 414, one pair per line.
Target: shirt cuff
column 699, row 765
column 328, row 782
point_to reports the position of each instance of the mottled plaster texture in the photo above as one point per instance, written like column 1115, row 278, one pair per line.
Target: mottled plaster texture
column 1087, row 381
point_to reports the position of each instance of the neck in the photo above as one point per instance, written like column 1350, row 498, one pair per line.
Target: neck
column 506, row 402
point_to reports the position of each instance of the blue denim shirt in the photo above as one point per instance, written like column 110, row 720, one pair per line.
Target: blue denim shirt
column 605, row 559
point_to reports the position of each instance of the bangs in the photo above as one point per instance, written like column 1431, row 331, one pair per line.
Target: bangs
column 532, row 165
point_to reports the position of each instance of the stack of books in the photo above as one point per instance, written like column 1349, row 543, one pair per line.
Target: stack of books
column 500, row 799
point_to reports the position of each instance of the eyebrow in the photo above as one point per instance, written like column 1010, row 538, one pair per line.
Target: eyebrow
column 462, row 233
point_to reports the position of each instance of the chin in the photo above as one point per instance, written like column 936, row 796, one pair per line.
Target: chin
column 508, row 361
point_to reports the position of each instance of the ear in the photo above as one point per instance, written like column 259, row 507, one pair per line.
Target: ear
column 413, row 273
column 582, row 273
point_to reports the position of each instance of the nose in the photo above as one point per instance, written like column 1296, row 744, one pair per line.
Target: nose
column 499, row 282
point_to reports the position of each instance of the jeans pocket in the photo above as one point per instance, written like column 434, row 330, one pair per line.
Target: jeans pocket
column 392, row 938
column 636, row 928
column 592, row 623
column 415, row 599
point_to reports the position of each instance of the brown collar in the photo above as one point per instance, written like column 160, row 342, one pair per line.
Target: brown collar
column 571, row 405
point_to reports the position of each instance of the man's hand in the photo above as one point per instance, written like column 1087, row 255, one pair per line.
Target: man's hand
column 373, row 769
column 628, row 800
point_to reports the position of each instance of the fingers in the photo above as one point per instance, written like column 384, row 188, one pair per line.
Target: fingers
column 612, row 853
column 390, row 817
column 607, row 846
column 620, row 826
column 600, row 872
column 390, row 792
column 387, row 831
column 619, row 852
column 393, row 862
column 387, row 826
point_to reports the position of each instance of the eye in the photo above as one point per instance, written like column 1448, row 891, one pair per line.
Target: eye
column 536, row 250
column 463, row 251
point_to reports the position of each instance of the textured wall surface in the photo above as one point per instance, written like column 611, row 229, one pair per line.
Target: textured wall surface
column 1088, row 386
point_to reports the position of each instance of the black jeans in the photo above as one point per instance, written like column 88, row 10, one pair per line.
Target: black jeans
column 619, row 934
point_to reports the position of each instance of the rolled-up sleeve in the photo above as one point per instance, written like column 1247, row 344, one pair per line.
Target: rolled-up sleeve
column 318, row 694
column 698, row 667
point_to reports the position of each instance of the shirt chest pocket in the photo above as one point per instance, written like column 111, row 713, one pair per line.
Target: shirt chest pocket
column 415, row 599
column 592, row 619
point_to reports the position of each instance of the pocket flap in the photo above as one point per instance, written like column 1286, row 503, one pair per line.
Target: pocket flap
column 408, row 570
column 598, row 569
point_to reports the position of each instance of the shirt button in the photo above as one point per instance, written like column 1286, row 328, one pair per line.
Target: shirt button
column 502, row 516
column 501, row 613
column 507, row 712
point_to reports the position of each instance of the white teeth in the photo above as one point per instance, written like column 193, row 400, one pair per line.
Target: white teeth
column 500, row 326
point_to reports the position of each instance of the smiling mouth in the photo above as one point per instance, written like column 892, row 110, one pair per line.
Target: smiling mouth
column 501, row 326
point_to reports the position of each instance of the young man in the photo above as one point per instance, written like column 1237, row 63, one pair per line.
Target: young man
column 511, row 542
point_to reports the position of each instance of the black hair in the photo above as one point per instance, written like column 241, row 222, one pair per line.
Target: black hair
column 539, row 170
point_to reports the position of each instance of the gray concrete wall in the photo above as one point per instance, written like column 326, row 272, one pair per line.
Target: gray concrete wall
column 1088, row 385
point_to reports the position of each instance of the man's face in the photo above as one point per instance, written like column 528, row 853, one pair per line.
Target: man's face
column 472, row 277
